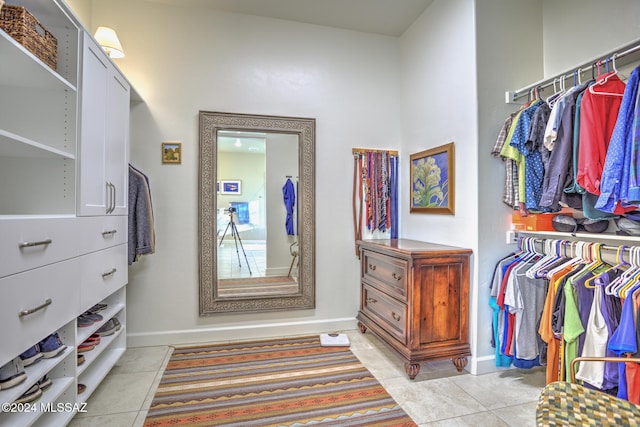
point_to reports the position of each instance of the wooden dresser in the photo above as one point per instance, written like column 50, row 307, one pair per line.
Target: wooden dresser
column 415, row 296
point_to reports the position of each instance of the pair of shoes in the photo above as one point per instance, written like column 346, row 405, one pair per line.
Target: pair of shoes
column 31, row 355
column 89, row 344
column 12, row 373
column 30, row 395
column 51, row 346
column 109, row 328
column 45, row 382
column 81, row 388
column 80, row 359
column 88, row 318
column 98, row 307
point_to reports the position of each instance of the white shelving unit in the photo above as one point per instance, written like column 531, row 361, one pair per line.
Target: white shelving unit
column 57, row 264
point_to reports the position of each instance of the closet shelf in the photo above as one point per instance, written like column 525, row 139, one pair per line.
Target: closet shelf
column 20, row 68
column 12, row 145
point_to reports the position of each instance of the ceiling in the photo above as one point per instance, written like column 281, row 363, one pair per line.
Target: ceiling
column 386, row 17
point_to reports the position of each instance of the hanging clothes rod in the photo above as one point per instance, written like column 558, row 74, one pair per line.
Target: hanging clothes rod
column 512, row 96
column 393, row 153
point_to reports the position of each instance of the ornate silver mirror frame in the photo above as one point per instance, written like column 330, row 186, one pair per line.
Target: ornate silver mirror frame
column 210, row 300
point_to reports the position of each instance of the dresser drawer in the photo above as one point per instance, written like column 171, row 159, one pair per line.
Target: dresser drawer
column 51, row 292
column 386, row 272
column 102, row 274
column 35, row 242
column 386, row 311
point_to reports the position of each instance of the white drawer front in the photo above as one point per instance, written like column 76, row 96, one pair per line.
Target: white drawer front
column 35, row 242
column 32, row 243
column 30, row 290
column 102, row 232
column 103, row 273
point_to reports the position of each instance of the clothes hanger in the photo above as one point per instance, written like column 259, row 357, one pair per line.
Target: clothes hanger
column 603, row 81
column 631, row 284
column 620, row 263
column 617, row 284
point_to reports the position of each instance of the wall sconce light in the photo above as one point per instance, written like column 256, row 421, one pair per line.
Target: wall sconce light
column 108, row 39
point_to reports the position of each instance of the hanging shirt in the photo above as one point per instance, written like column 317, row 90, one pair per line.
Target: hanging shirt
column 289, row 195
column 600, row 105
column 621, row 139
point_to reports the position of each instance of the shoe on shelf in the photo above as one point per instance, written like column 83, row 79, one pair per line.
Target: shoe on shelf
column 12, row 373
column 117, row 323
column 80, row 359
column 98, row 307
column 44, row 382
column 108, row 328
column 86, row 346
column 81, row 388
column 52, row 346
column 84, row 321
column 31, row 355
column 92, row 316
column 30, row 395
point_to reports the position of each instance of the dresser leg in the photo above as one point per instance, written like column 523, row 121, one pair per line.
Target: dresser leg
column 459, row 363
column 362, row 328
column 412, row 369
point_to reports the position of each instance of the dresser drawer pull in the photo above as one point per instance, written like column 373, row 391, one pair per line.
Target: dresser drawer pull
column 395, row 317
column 33, row 310
column 32, row 244
column 109, row 233
column 397, row 276
column 372, row 267
column 108, row 273
column 372, row 300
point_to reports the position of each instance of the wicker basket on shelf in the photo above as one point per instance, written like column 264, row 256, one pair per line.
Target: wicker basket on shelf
column 26, row 30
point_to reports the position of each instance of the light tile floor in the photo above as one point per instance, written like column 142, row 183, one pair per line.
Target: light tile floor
column 438, row 396
column 232, row 262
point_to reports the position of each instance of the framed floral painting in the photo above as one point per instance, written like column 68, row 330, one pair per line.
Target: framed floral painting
column 432, row 181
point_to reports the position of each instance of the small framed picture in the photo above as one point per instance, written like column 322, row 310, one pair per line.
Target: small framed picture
column 231, row 187
column 433, row 181
column 172, row 152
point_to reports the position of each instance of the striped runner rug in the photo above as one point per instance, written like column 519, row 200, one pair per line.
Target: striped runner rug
column 279, row 382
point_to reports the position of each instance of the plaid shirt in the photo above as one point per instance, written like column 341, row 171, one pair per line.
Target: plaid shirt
column 510, row 192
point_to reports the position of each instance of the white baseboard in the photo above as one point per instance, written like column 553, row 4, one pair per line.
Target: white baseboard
column 235, row 333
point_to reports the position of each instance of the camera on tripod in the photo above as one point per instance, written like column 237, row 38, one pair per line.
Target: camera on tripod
column 232, row 210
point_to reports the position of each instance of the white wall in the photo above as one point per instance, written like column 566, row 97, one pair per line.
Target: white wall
column 438, row 107
column 577, row 31
column 183, row 60
column 504, row 62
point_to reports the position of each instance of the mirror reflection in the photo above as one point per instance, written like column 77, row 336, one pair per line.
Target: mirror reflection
column 256, row 213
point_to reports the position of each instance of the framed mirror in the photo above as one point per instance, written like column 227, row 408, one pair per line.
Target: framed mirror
column 256, row 213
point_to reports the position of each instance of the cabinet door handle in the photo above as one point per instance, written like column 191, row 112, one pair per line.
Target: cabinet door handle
column 109, row 233
column 32, row 244
column 372, row 267
column 395, row 316
column 372, row 300
column 397, row 276
column 108, row 197
column 113, row 199
column 33, row 310
column 109, row 273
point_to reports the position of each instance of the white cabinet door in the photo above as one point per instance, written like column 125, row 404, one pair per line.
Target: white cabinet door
column 104, row 135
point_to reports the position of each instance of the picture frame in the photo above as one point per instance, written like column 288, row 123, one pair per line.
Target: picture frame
column 231, row 187
column 432, row 186
column 171, row 153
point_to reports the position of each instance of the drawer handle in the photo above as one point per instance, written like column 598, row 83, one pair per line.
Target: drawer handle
column 397, row 276
column 33, row 310
column 395, row 316
column 32, row 244
column 109, row 273
column 372, row 267
column 372, row 300
column 109, row 233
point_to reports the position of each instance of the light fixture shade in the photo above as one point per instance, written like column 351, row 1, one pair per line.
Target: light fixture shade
column 108, row 39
